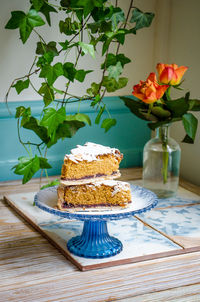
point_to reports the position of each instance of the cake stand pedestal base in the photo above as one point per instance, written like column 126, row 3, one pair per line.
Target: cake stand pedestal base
column 94, row 242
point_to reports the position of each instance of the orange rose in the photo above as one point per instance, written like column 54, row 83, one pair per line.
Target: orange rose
column 149, row 91
column 170, row 73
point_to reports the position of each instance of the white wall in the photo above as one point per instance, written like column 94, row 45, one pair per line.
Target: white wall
column 178, row 41
column 16, row 59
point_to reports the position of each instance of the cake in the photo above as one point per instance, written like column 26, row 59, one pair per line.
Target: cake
column 100, row 194
column 87, row 179
column 90, row 162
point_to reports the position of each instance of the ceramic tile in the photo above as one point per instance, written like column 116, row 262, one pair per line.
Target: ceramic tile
column 180, row 223
column 137, row 239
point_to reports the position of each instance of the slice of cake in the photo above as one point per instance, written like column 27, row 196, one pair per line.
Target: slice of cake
column 90, row 162
column 108, row 193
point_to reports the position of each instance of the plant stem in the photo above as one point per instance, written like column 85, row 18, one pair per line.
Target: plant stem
column 163, row 134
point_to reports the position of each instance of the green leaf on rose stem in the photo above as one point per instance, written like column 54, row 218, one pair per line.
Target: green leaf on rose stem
column 87, row 48
column 52, row 118
column 97, row 120
column 194, row 105
column 135, row 107
column 188, row 140
column 117, row 16
column 93, row 90
column 21, row 85
column 155, row 125
column 141, row 19
column 81, row 117
column 42, row 48
column 177, row 107
column 108, row 123
column 27, row 166
column 40, row 131
column 53, row 183
column 114, row 59
column 47, row 92
column 37, row 4
column 69, row 71
column 112, row 85
column 46, row 9
column 190, row 123
column 80, row 74
column 51, row 73
column 160, row 112
column 115, row 71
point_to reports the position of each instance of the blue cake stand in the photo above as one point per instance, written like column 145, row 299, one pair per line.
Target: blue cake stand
column 95, row 241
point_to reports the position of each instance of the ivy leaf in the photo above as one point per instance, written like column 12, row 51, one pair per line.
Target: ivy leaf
column 66, row 129
column 52, row 118
column 64, row 45
column 190, row 123
column 53, row 183
column 114, row 59
column 93, row 90
column 21, row 85
column 96, row 100
column 97, row 120
column 87, row 48
column 27, row 166
column 16, row 18
column 37, row 4
column 51, row 73
column 115, row 71
column 42, row 48
column 31, row 20
column 80, row 74
column 44, row 163
column 81, row 117
column 23, row 112
column 108, row 123
column 113, row 85
column 40, row 131
column 46, row 9
column 69, row 71
column 25, row 22
column 141, row 19
column 117, row 16
column 89, row 5
column 68, row 27
column 47, row 92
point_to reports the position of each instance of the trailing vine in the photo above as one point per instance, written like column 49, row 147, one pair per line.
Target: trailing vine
column 88, row 24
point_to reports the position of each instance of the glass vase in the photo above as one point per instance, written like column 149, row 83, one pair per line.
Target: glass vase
column 161, row 163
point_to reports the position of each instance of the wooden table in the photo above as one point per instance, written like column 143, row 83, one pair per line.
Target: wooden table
column 33, row 270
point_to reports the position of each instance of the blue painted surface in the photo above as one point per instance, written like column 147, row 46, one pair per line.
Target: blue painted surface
column 129, row 135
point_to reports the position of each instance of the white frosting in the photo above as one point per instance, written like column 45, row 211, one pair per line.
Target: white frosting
column 89, row 152
column 117, row 185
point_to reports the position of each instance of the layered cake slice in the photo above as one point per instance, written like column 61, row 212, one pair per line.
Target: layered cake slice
column 107, row 193
column 90, row 162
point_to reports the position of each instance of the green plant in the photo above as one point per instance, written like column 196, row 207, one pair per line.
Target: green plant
column 84, row 25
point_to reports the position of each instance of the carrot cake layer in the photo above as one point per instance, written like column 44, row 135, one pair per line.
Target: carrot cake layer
column 90, row 162
column 107, row 193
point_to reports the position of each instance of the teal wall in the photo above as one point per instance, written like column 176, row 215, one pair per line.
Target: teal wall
column 129, row 135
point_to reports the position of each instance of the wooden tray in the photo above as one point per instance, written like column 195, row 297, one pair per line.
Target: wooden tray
column 172, row 228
